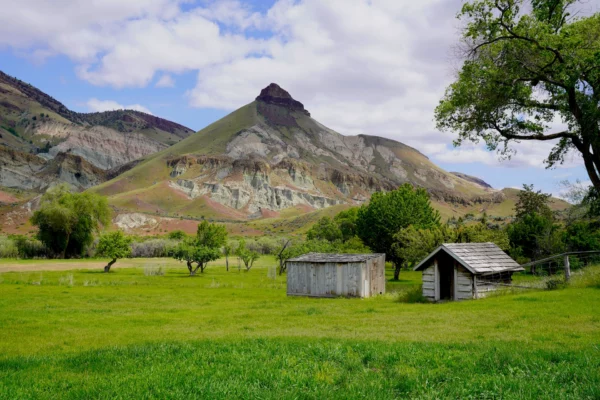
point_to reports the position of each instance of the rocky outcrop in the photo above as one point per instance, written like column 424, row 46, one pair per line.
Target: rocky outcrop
column 275, row 95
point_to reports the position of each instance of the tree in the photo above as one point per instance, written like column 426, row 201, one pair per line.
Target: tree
column 67, row 221
column 533, row 202
column 325, row 229
column 203, row 248
column 227, row 251
column 387, row 213
column 114, row 245
column 246, row 255
column 527, row 64
column 346, row 221
column 412, row 244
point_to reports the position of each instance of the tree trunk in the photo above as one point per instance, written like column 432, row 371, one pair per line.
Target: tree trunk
column 110, row 264
column 397, row 271
column 227, row 262
column 190, row 268
column 64, row 253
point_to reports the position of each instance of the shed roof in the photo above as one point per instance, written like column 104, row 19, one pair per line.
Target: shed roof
column 479, row 258
column 336, row 258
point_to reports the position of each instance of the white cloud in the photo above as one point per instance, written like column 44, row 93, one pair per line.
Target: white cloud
column 95, row 105
column 377, row 67
column 165, row 81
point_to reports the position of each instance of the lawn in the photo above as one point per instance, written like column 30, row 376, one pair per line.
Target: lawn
column 126, row 334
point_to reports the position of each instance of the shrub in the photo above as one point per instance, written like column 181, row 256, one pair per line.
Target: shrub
column 153, row 248
column 8, row 248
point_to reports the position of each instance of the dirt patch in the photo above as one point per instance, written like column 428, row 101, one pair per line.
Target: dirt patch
column 7, row 198
column 65, row 265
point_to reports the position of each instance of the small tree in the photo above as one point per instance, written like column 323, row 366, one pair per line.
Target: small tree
column 202, row 249
column 388, row 213
column 533, row 202
column 227, row 251
column 246, row 255
column 114, row 245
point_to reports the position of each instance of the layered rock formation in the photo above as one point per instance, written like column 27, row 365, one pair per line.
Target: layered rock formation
column 270, row 156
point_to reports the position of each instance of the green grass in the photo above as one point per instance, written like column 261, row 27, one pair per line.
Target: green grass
column 86, row 334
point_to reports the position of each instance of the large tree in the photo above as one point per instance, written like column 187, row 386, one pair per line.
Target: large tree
column 387, row 213
column 528, row 64
column 67, row 221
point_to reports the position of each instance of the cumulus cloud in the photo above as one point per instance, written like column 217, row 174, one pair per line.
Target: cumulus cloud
column 95, row 105
column 376, row 67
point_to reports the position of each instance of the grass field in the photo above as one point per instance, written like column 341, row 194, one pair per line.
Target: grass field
column 85, row 334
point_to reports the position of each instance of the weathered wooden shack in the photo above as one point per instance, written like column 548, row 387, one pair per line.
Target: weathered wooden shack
column 458, row 271
column 330, row 275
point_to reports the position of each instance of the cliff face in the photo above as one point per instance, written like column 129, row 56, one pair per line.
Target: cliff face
column 33, row 122
column 271, row 156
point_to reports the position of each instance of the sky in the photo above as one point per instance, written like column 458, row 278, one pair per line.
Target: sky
column 376, row 67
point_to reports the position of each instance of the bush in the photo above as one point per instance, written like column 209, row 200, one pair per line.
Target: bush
column 8, row 248
column 30, row 248
column 153, row 248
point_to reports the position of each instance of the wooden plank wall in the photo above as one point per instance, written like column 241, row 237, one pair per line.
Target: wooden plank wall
column 485, row 284
column 376, row 271
column 429, row 282
column 326, row 279
column 464, row 283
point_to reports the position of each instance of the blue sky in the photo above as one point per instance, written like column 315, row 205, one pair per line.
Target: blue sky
column 373, row 67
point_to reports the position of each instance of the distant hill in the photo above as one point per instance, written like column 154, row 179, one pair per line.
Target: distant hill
column 269, row 159
column 36, row 127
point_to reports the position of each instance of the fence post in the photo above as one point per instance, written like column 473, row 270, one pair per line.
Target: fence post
column 567, row 269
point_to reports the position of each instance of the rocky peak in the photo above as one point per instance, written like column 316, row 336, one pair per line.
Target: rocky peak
column 274, row 94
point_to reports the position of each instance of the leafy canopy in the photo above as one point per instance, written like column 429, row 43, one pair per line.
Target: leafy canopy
column 528, row 64
column 203, row 248
column 67, row 221
column 387, row 213
column 114, row 245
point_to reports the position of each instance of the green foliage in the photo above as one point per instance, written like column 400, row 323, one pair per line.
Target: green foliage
column 325, row 229
column 413, row 245
column 114, row 245
column 211, row 235
column 533, row 202
column 387, row 213
column 246, row 255
column 527, row 233
column 67, row 221
column 203, row 248
column 346, row 221
column 526, row 64
column 582, row 236
column 8, row 248
column 177, row 235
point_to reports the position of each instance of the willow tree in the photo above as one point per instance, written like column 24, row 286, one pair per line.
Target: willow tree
column 528, row 64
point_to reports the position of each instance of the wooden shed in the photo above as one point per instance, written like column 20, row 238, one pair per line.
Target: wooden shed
column 330, row 275
column 458, row 271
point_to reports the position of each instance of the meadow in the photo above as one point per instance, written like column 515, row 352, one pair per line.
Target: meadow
column 139, row 333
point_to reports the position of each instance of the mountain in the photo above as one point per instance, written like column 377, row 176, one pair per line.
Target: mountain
column 271, row 159
column 42, row 141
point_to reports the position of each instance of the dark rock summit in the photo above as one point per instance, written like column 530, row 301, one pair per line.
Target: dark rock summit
column 274, row 94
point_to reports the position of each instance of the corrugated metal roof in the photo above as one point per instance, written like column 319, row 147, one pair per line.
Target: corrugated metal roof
column 337, row 258
column 479, row 258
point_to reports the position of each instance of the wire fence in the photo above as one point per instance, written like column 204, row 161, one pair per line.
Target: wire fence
column 549, row 273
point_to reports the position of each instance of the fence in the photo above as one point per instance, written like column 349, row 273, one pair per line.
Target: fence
column 543, row 273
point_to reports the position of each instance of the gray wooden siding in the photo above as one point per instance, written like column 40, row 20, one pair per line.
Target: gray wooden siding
column 464, row 283
column 429, row 282
column 328, row 279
